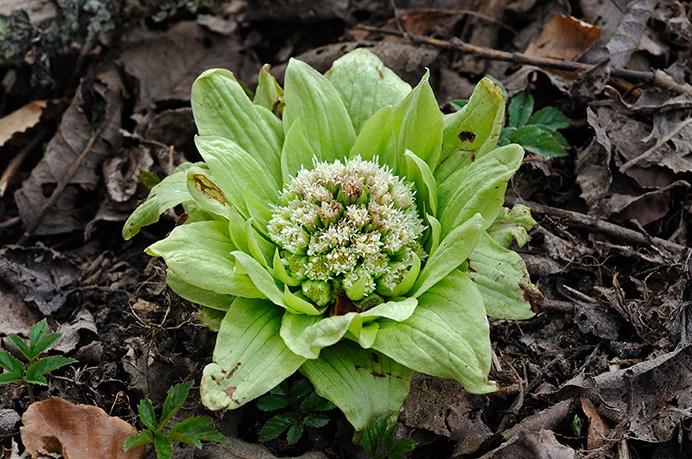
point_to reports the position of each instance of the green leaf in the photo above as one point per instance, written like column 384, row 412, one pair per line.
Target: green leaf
column 502, row 280
column 297, row 152
column 269, row 94
column 520, row 109
column 265, row 283
column 276, row 425
column 169, row 193
column 21, row 345
column 451, row 253
column 426, row 188
column 145, row 437
column 314, row 402
column 512, row 225
column 207, row 195
column 200, row 254
column 550, row 117
column 478, row 188
column 447, row 335
column 194, row 430
column 221, row 108
column 294, row 433
column 472, row 131
column 234, row 170
column 174, row 400
column 538, row 140
column 458, row 104
column 39, row 368
column 418, row 126
column 11, row 364
column 307, row 335
column 148, row 179
column 273, row 402
column 362, row 383
column 164, row 446
column 36, row 334
column 147, row 415
column 203, row 297
column 300, row 389
column 10, row 377
column 36, row 348
column 365, row 85
column 324, row 120
column 316, row 420
column 375, row 139
column 250, row 357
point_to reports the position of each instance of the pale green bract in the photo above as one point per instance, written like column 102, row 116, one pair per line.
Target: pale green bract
column 343, row 227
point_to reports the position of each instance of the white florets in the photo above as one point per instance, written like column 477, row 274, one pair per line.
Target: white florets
column 347, row 222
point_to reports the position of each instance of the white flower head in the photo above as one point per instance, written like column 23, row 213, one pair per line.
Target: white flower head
column 350, row 219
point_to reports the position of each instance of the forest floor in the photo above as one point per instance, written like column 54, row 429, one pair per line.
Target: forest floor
column 603, row 370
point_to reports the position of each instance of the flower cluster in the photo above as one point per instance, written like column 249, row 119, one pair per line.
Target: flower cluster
column 347, row 229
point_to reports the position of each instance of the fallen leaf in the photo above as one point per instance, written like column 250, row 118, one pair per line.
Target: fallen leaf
column 21, row 120
column 421, row 21
column 598, row 430
column 564, row 37
column 651, row 398
column 38, row 274
column 166, row 64
column 68, row 167
column 534, row 445
column 442, row 406
column 76, row 431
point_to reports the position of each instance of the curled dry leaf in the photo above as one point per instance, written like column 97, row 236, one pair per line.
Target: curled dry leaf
column 564, row 37
column 21, row 120
column 75, row 431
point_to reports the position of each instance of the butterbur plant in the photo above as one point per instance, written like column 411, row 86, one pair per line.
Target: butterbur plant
column 357, row 238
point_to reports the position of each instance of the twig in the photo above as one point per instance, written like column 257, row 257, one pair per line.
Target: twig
column 596, row 224
column 654, row 78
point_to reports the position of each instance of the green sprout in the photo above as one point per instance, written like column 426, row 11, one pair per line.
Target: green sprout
column 191, row 431
column 378, row 440
column 357, row 238
column 535, row 132
column 305, row 403
column 39, row 342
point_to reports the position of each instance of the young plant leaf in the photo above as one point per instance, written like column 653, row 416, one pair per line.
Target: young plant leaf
column 146, row 437
column 316, row 420
column 146, row 414
column 276, row 425
column 163, row 445
column 21, row 345
column 273, row 402
column 36, row 370
column 174, row 400
column 520, row 109
column 295, row 432
column 550, row 117
column 11, row 364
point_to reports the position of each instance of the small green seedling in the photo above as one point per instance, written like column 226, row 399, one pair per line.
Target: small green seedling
column 378, row 441
column 191, row 431
column 39, row 342
column 535, row 132
column 305, row 402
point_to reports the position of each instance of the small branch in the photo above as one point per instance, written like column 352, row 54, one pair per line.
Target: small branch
column 654, row 78
column 596, row 224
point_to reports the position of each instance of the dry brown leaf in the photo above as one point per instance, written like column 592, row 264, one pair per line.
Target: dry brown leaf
column 76, row 431
column 564, row 37
column 21, row 120
column 598, row 430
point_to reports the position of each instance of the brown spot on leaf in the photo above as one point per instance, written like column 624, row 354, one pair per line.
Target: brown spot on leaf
column 375, row 357
column 379, row 72
column 230, row 391
column 533, row 296
column 377, row 374
column 182, row 219
column 467, row 136
column 232, row 372
column 344, row 305
column 209, row 188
